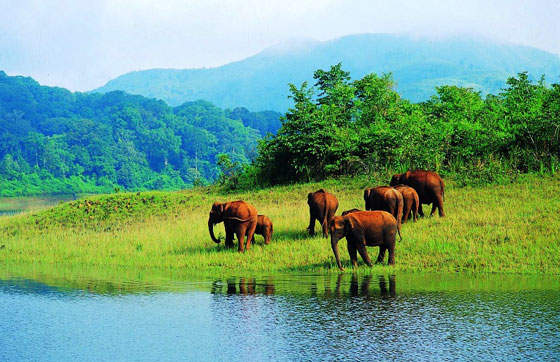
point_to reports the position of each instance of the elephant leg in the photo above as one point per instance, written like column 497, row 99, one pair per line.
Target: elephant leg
column 439, row 202
column 406, row 212
column 434, row 206
column 240, row 232
column 415, row 212
column 267, row 236
column 363, row 252
column 420, row 211
column 229, row 235
column 250, row 234
column 352, row 252
column 391, row 248
column 311, row 227
column 381, row 255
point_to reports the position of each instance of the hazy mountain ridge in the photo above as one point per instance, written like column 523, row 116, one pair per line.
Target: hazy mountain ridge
column 419, row 65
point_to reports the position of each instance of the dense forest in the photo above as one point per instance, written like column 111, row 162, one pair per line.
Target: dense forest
column 344, row 127
column 53, row 141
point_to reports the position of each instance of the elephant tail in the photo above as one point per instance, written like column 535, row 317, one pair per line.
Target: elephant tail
column 236, row 218
column 442, row 185
column 325, row 216
column 399, row 231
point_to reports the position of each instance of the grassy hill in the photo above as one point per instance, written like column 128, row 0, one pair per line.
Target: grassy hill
column 507, row 229
column 419, row 65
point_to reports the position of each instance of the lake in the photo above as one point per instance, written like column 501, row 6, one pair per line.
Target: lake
column 350, row 317
column 17, row 205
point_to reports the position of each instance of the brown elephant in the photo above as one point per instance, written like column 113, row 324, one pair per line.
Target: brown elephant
column 361, row 229
column 322, row 207
column 239, row 217
column 429, row 186
column 385, row 198
column 410, row 201
column 350, row 211
column 264, row 228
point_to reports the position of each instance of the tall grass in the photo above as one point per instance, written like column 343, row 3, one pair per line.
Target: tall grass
column 508, row 229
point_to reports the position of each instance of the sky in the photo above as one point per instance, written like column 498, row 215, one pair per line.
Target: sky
column 80, row 45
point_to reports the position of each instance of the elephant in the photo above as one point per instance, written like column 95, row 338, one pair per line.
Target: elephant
column 239, row 217
column 322, row 207
column 410, row 201
column 429, row 186
column 350, row 211
column 361, row 229
column 385, row 198
column 264, row 228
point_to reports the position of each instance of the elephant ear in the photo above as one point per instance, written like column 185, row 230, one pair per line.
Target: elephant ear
column 218, row 210
column 309, row 196
column 366, row 193
column 348, row 225
column 215, row 208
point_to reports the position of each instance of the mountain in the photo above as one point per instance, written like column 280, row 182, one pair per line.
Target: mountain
column 418, row 65
column 56, row 141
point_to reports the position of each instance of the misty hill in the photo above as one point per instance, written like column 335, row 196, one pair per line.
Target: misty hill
column 56, row 141
column 418, row 65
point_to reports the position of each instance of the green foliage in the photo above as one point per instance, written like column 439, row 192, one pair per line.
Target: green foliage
column 265, row 122
column 53, row 141
column 339, row 127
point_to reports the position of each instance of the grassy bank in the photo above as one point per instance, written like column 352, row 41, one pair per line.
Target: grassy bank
column 511, row 229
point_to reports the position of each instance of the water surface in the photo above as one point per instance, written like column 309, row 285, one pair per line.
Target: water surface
column 17, row 205
column 283, row 317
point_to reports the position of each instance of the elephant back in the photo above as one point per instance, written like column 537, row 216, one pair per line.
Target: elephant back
column 322, row 203
column 240, row 210
column 427, row 184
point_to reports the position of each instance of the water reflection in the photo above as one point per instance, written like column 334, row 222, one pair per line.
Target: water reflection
column 282, row 317
column 243, row 286
column 361, row 286
column 364, row 286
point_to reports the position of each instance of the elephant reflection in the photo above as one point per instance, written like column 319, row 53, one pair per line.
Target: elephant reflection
column 244, row 286
column 363, row 288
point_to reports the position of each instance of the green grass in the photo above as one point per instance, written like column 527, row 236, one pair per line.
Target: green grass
column 493, row 229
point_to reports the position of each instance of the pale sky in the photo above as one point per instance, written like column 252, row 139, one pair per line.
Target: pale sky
column 80, row 45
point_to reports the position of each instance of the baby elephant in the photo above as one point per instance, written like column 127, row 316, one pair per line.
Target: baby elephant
column 361, row 229
column 411, row 201
column 264, row 228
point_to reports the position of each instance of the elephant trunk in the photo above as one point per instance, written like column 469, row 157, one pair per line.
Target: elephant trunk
column 211, row 230
column 334, row 245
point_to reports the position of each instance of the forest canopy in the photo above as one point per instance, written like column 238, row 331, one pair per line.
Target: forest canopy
column 53, row 141
column 344, row 127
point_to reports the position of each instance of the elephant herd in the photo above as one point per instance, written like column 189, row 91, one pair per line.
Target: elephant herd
column 386, row 207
